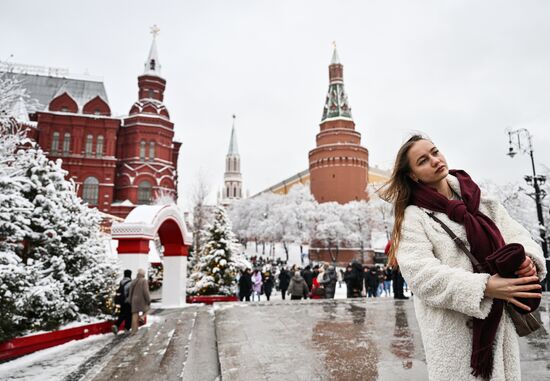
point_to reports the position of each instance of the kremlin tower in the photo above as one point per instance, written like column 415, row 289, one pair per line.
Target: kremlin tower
column 339, row 165
column 232, row 178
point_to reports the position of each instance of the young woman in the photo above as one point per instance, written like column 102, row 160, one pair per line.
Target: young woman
column 466, row 331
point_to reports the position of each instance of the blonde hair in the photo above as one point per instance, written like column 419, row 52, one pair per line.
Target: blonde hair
column 397, row 191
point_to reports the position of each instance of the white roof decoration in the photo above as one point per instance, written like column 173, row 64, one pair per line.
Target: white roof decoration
column 152, row 65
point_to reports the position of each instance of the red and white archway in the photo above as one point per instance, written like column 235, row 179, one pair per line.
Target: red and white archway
column 140, row 227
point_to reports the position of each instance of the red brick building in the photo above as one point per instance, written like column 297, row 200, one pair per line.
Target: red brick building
column 339, row 165
column 116, row 163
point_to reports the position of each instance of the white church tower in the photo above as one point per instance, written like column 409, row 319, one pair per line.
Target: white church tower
column 232, row 178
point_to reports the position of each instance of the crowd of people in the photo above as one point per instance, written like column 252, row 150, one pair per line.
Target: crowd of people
column 319, row 281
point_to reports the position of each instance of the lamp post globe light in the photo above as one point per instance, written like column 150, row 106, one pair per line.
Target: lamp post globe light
column 534, row 180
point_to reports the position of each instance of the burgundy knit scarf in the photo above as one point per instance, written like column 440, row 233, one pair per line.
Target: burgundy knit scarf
column 484, row 238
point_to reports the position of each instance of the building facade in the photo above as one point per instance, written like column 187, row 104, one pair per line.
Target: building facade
column 116, row 163
column 338, row 165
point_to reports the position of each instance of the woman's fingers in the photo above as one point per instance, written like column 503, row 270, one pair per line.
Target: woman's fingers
column 525, row 280
column 526, row 263
column 526, row 270
column 527, row 295
column 520, row 305
column 528, row 287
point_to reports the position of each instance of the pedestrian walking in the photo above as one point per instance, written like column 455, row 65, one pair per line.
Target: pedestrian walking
column 347, row 275
column 256, row 284
column 308, row 276
column 245, row 285
column 297, row 288
column 317, row 289
column 371, row 281
column 268, row 284
column 398, row 285
column 388, row 274
column 355, row 280
column 284, row 280
column 139, row 299
column 461, row 310
column 122, row 299
column 329, row 282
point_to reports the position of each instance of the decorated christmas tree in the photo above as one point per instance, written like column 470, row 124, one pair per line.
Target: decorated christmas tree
column 219, row 260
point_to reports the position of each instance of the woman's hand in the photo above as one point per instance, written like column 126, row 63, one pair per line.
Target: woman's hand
column 527, row 268
column 511, row 288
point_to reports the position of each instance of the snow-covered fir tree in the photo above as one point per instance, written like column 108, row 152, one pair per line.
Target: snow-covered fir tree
column 53, row 265
column 219, row 260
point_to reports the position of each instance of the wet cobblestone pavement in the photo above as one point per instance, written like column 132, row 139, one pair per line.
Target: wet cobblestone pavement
column 346, row 339
column 357, row 339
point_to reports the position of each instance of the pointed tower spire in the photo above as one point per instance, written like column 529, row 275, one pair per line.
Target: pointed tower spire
column 233, row 149
column 336, row 103
column 152, row 65
column 232, row 178
column 335, row 59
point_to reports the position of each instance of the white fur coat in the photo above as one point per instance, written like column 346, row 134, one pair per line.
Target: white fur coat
column 447, row 294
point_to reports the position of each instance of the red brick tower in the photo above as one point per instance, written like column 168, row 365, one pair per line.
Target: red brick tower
column 339, row 164
column 147, row 155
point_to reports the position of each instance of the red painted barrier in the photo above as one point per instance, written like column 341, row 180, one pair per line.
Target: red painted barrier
column 210, row 299
column 24, row 345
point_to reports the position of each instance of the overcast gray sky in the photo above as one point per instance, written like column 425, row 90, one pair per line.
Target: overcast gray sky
column 459, row 71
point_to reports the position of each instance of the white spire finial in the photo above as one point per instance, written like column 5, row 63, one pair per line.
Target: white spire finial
column 155, row 30
column 335, row 59
column 152, row 65
column 233, row 150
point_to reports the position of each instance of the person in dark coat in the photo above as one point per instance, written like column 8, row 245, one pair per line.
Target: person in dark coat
column 347, row 279
column 398, row 283
column 307, row 274
column 284, row 280
column 356, row 279
column 245, row 285
column 371, row 281
column 329, row 282
column 388, row 275
column 122, row 299
column 268, row 283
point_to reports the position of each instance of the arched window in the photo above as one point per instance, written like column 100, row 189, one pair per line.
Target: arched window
column 142, row 150
column 90, row 190
column 55, row 143
column 235, row 192
column 66, row 143
column 144, row 192
column 227, row 192
column 234, row 164
column 99, row 146
column 89, row 145
column 152, row 64
column 151, row 151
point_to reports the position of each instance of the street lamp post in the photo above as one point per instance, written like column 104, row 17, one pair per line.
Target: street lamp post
column 534, row 180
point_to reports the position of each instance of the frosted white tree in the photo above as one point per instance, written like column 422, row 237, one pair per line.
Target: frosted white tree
column 216, row 269
column 53, row 266
column 356, row 218
column 329, row 229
